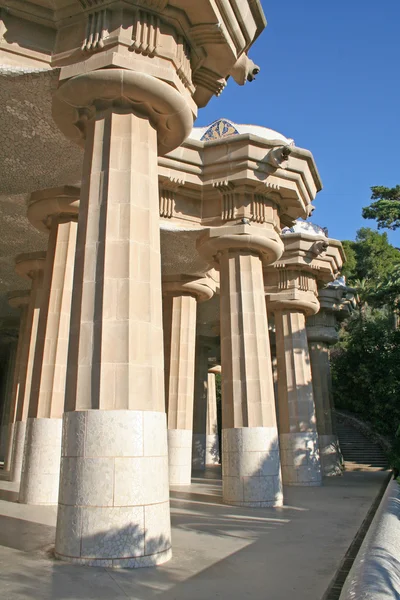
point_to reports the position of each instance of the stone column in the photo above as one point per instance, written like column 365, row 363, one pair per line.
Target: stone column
column 180, row 299
column 321, row 333
column 114, row 492
column 200, row 404
column 30, row 266
column 18, row 300
column 250, row 452
column 9, row 338
column 212, row 437
column 55, row 210
column 298, row 435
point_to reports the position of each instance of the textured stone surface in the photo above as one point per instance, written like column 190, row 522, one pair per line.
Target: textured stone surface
column 251, row 472
column 41, row 465
column 296, row 410
column 332, row 462
column 300, row 458
column 18, row 451
column 114, row 493
column 180, row 456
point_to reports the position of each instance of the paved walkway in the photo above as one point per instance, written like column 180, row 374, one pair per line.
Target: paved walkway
column 219, row 551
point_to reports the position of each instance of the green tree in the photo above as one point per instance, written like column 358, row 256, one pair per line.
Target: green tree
column 386, row 208
column 370, row 257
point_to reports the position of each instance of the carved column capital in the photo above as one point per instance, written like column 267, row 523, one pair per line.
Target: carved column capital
column 291, row 289
column 18, row 298
column 44, row 205
column 202, row 289
column 30, row 265
column 264, row 242
column 77, row 100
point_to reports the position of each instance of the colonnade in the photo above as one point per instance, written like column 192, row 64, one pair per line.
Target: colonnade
column 119, row 439
column 111, row 400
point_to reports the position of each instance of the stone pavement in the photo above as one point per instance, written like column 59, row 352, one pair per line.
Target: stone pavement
column 219, row 551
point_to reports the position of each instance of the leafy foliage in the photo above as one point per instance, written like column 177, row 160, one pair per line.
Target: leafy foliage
column 371, row 256
column 386, row 208
column 366, row 361
column 366, row 370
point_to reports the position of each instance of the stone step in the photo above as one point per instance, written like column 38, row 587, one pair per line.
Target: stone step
column 360, row 453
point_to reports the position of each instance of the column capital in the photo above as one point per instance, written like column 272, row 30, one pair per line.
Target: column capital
column 321, row 330
column 77, row 100
column 202, row 289
column 28, row 265
column 18, row 298
column 263, row 241
column 62, row 202
column 216, row 370
column 291, row 289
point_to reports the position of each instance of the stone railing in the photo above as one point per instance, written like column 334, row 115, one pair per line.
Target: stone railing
column 375, row 574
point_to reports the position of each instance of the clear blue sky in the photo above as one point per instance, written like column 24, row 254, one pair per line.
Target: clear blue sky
column 330, row 79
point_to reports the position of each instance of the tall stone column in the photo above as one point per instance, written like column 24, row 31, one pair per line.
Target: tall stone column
column 8, row 333
column 250, row 452
column 54, row 210
column 200, row 404
column 30, row 266
column 212, row 437
column 180, row 299
column 114, row 492
column 18, row 300
column 298, row 435
column 321, row 333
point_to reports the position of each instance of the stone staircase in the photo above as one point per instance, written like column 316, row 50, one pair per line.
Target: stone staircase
column 360, row 453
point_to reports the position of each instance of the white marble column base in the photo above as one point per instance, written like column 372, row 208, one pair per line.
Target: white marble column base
column 41, row 465
column 251, row 473
column 332, row 463
column 114, row 495
column 300, row 459
column 212, row 449
column 199, row 451
column 17, row 451
column 180, row 456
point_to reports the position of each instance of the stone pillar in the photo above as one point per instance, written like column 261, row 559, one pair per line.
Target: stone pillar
column 200, row 404
column 250, row 452
column 114, row 492
column 212, row 437
column 18, row 300
column 321, row 333
column 55, row 210
column 30, row 266
column 9, row 348
column 180, row 299
column 298, row 435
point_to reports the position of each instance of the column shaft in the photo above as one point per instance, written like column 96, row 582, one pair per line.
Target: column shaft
column 200, row 406
column 250, row 459
column 25, row 372
column 331, row 456
column 41, row 465
column 114, row 493
column 18, row 376
column 212, row 437
column 7, row 409
column 296, row 412
column 179, row 343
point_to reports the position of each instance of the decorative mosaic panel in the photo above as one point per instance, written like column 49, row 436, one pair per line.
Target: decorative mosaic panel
column 220, row 129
